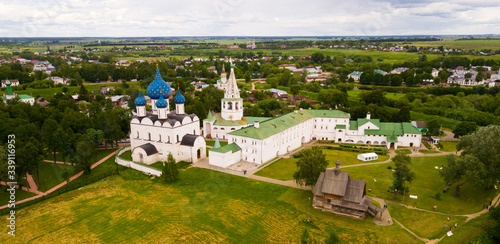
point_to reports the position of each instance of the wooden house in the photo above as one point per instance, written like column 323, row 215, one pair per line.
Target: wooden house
column 337, row 193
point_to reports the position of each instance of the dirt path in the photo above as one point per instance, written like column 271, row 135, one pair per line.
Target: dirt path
column 57, row 162
column 40, row 194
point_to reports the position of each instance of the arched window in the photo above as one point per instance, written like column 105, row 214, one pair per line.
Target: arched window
column 177, row 138
column 230, row 105
column 159, row 137
column 194, row 132
column 168, row 137
column 149, row 136
column 236, row 105
column 137, row 134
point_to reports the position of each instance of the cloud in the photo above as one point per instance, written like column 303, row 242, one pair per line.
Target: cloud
column 128, row 18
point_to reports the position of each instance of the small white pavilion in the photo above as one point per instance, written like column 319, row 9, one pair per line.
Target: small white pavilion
column 368, row 156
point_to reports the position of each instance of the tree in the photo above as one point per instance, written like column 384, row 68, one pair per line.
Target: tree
column 28, row 156
column 66, row 174
column 248, row 77
column 294, row 89
column 375, row 97
column 464, row 128
column 3, row 165
column 50, row 139
column 404, row 114
column 83, row 94
column 96, row 136
column 255, row 111
column 170, row 172
column 83, row 154
column 433, row 128
column 402, row 173
column 478, row 162
column 311, row 163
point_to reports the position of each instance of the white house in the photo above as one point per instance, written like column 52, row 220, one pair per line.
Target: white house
column 356, row 75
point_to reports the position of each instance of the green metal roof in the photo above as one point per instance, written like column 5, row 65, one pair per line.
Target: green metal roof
column 217, row 143
column 408, row 128
column 24, row 96
column 340, row 127
column 233, row 147
column 379, row 71
column 356, row 73
column 273, row 126
column 353, row 125
column 9, row 90
column 363, row 121
column 209, row 116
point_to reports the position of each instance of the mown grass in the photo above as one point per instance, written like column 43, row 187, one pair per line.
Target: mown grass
column 203, row 206
column 284, row 168
column 403, row 151
column 52, row 175
column 426, row 184
column 424, row 224
column 20, row 195
column 472, row 232
column 101, row 153
column 448, row 146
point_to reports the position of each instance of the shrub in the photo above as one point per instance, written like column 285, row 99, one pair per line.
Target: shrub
column 389, row 167
column 438, row 196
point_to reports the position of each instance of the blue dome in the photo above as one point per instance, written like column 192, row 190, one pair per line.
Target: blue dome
column 140, row 101
column 161, row 103
column 179, row 98
column 159, row 86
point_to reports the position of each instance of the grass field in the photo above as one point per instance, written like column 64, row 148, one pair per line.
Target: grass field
column 20, row 195
column 448, row 146
column 403, row 151
column 284, row 168
column 203, row 206
column 51, row 175
column 472, row 231
column 101, row 153
column 462, row 44
column 424, row 224
column 425, row 186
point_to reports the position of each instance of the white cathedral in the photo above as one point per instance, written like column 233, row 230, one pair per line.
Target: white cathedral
column 154, row 134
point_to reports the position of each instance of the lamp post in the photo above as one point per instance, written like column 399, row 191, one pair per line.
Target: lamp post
column 404, row 192
column 309, row 212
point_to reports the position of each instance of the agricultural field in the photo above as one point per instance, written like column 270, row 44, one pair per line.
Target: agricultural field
column 203, row 206
column 493, row 44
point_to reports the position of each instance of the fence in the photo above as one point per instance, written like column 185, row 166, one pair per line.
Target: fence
column 133, row 165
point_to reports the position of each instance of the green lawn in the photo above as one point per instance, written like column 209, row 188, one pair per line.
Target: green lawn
column 203, row 206
column 101, row 153
column 284, row 168
column 424, row 224
column 425, row 186
column 448, row 146
column 348, row 158
column 20, row 195
column 127, row 155
column 403, row 151
column 51, row 175
column 472, row 231
column 426, row 151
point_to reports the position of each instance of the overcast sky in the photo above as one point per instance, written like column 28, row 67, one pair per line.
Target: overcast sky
column 130, row 18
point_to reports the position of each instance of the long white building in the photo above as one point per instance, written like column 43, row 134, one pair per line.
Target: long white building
column 266, row 140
